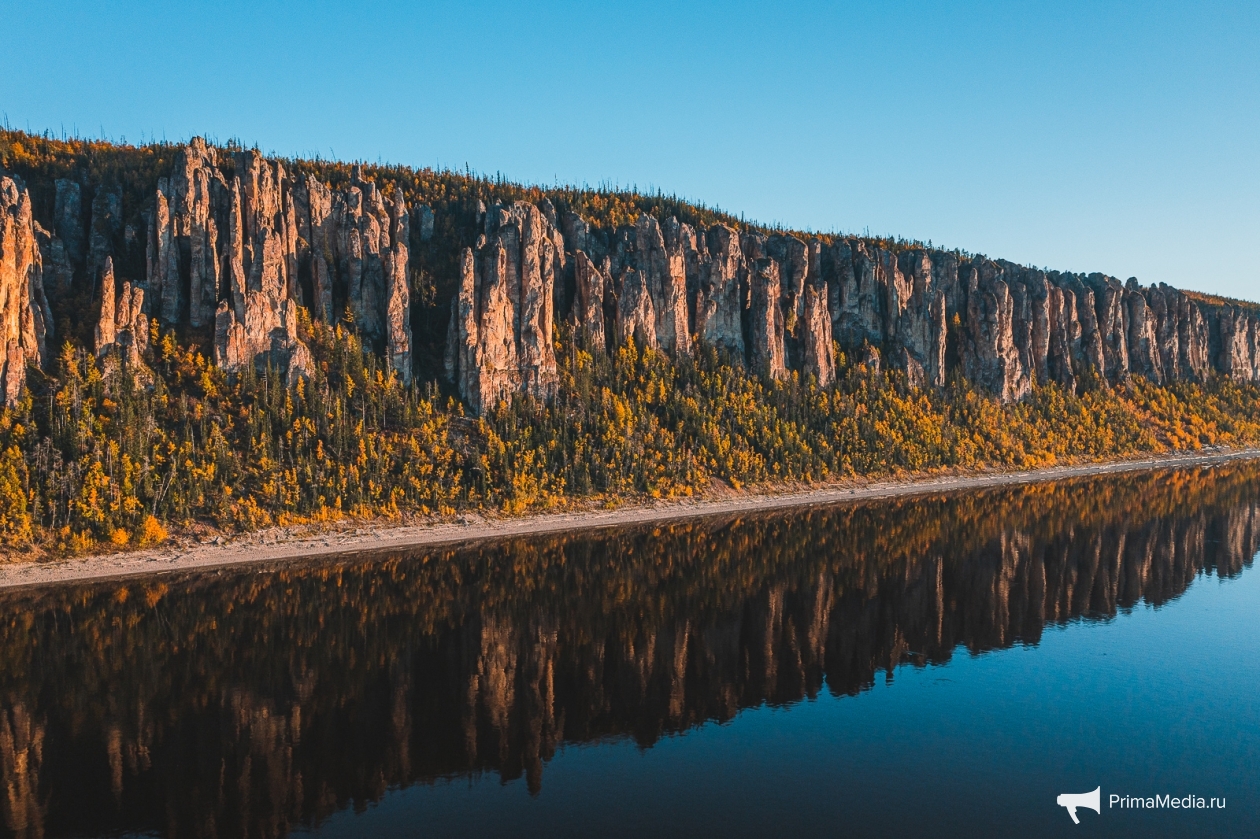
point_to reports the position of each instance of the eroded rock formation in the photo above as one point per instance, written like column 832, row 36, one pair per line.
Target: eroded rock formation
column 766, row 318
column 256, row 322
column 25, row 321
column 243, row 253
column 719, row 299
column 500, row 338
column 236, row 243
column 122, row 322
column 122, row 325
column 590, row 285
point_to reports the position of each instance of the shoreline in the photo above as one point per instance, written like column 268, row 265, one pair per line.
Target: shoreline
column 294, row 544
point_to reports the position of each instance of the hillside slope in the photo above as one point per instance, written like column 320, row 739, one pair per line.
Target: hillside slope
column 209, row 337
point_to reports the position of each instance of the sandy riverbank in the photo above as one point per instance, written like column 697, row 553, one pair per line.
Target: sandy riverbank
column 281, row 544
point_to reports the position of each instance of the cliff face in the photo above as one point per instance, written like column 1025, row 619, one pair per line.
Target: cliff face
column 500, row 337
column 122, row 324
column 243, row 252
column 236, row 243
column 25, row 321
column 778, row 302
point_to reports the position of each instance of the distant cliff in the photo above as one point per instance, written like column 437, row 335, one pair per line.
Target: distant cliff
column 230, row 244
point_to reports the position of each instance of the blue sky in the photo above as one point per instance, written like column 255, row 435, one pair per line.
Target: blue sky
column 1098, row 136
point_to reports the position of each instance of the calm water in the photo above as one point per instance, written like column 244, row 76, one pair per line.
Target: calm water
column 935, row 666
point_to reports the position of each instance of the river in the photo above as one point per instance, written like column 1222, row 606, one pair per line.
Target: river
column 936, row 665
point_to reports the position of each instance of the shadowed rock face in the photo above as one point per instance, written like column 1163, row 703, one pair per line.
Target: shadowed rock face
column 766, row 319
column 262, row 702
column 590, row 285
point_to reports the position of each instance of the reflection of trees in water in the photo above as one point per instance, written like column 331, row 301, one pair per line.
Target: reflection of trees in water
column 245, row 704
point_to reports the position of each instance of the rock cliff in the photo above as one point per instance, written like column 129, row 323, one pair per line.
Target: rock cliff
column 25, row 320
column 237, row 243
column 780, row 304
column 122, row 324
column 500, row 338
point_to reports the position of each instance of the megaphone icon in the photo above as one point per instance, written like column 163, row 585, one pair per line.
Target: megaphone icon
column 1072, row 800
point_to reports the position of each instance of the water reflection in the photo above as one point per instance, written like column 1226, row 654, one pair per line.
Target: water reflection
column 247, row 703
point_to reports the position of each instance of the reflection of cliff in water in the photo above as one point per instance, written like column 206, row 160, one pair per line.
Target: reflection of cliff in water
column 247, row 703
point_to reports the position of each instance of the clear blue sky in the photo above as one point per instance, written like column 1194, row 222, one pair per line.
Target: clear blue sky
column 1084, row 136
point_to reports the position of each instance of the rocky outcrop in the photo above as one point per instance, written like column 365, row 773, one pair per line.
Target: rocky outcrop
column 398, row 295
column 921, row 317
column 590, row 289
column 643, row 268
column 185, row 230
column 257, row 322
column 1240, row 345
column 244, row 253
column 663, row 270
column 68, row 218
column 818, row 357
column 766, row 318
column 719, row 302
column 106, row 225
column 315, row 245
column 62, row 249
column 122, row 326
column 360, row 238
column 105, row 328
column 25, row 320
column 777, row 303
column 351, row 250
column 636, row 316
column 1113, row 334
column 236, row 243
column 500, row 340
column 991, row 359
column 1143, row 347
column 58, row 269
column 860, row 292
column 1019, row 328
column 1007, row 328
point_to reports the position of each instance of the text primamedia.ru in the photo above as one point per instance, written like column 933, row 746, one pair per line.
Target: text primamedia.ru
column 1159, row 802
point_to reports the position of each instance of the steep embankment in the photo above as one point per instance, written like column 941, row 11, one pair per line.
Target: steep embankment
column 247, row 340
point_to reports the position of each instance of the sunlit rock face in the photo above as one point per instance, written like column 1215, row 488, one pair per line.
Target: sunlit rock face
column 227, row 246
column 500, row 339
column 25, row 320
column 122, row 328
column 240, row 253
column 591, row 290
column 766, row 319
